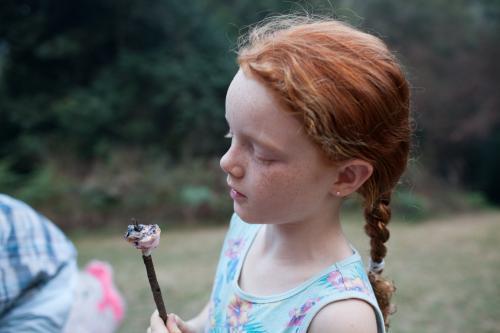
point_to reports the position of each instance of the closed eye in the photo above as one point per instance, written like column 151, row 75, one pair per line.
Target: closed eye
column 263, row 158
column 264, row 161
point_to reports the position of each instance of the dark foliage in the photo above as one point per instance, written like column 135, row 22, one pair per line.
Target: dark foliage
column 81, row 79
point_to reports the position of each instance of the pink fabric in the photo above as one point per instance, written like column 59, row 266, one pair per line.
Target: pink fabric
column 111, row 298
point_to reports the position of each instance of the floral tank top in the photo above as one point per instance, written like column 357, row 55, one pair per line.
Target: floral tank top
column 233, row 310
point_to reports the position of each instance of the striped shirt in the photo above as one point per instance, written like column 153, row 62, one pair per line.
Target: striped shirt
column 37, row 270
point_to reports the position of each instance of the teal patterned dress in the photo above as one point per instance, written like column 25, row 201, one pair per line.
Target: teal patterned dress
column 233, row 310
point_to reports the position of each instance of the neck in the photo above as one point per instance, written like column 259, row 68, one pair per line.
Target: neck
column 318, row 239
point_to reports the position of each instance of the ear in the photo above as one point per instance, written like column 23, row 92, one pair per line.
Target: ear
column 351, row 175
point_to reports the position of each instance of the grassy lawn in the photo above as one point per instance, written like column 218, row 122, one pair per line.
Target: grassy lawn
column 446, row 271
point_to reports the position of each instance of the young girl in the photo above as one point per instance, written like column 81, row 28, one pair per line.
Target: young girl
column 317, row 111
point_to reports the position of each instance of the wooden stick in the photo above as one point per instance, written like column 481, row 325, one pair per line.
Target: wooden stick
column 155, row 287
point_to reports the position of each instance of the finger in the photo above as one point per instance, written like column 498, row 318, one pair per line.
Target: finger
column 172, row 324
column 153, row 315
column 156, row 323
column 181, row 324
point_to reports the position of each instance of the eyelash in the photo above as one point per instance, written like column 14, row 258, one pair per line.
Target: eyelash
column 264, row 161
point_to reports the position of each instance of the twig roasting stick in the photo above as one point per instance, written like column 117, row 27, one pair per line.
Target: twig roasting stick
column 146, row 238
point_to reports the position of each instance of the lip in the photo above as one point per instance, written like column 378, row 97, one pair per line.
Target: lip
column 235, row 195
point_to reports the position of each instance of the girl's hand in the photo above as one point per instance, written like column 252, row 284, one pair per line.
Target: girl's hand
column 174, row 324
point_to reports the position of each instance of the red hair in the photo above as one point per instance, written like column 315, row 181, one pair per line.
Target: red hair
column 352, row 97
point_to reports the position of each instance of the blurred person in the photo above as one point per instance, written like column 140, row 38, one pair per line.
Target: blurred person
column 318, row 111
column 38, row 271
column 41, row 289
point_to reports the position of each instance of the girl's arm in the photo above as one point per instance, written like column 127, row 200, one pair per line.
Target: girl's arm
column 201, row 320
column 347, row 316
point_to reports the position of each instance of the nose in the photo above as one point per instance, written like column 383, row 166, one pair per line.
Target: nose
column 231, row 165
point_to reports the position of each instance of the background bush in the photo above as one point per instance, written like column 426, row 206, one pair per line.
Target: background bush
column 110, row 108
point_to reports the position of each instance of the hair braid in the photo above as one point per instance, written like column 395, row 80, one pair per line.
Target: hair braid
column 377, row 217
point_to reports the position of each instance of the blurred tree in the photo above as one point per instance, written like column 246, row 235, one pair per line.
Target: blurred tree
column 82, row 78
column 88, row 75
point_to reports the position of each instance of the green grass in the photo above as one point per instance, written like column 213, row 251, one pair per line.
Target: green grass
column 446, row 272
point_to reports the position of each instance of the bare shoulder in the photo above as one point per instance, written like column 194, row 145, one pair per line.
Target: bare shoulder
column 346, row 316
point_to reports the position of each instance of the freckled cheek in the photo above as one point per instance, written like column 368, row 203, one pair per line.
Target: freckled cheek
column 277, row 185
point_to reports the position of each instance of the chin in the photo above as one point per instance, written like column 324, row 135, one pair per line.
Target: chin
column 248, row 216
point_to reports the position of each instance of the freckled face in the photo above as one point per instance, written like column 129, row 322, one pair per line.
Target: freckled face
column 276, row 173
